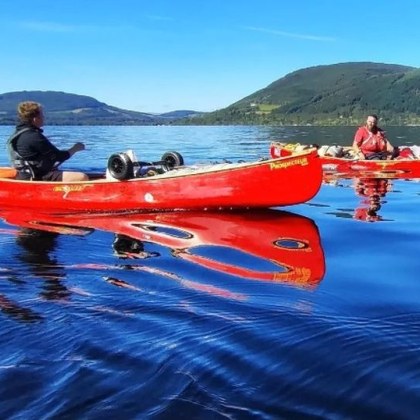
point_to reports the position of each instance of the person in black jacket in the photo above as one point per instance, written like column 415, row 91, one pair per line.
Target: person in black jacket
column 33, row 155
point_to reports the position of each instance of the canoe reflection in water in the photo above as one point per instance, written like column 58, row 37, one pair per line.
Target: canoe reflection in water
column 125, row 247
column 372, row 192
column 264, row 245
column 289, row 243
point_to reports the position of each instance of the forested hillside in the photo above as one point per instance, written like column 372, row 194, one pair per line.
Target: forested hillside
column 339, row 94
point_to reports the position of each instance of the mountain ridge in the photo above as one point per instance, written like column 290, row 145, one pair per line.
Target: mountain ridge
column 63, row 108
column 335, row 94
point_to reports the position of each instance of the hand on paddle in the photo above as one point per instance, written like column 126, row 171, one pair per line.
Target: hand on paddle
column 77, row 147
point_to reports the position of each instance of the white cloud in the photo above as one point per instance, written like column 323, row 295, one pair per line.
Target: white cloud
column 48, row 26
column 44, row 26
column 291, row 34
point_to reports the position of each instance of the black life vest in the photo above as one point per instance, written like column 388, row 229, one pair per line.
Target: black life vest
column 16, row 159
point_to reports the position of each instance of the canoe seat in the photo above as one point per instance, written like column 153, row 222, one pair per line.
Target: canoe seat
column 7, row 173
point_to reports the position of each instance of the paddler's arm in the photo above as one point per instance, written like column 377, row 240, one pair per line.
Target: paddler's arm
column 357, row 149
column 77, row 147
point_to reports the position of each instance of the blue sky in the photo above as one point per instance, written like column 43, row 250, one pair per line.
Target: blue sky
column 163, row 55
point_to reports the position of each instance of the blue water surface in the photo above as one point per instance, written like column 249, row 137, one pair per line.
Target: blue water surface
column 309, row 311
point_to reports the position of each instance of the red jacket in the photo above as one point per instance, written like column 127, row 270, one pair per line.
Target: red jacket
column 369, row 142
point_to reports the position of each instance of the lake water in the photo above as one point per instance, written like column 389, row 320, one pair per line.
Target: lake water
column 309, row 311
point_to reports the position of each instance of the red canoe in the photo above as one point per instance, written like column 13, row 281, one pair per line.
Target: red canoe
column 288, row 245
column 340, row 166
column 268, row 183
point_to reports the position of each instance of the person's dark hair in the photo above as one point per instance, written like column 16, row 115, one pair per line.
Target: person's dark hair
column 28, row 110
column 373, row 116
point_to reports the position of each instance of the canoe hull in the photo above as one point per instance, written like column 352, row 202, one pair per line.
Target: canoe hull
column 277, row 182
column 398, row 168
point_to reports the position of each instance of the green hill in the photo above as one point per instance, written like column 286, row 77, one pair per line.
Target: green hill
column 69, row 109
column 339, row 94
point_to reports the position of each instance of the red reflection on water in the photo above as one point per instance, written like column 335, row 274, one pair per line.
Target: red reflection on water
column 288, row 244
column 372, row 191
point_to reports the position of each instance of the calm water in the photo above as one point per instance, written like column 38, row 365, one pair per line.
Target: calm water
column 306, row 311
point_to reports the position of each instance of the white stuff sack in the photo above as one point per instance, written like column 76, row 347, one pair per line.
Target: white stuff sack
column 334, row 151
column 416, row 151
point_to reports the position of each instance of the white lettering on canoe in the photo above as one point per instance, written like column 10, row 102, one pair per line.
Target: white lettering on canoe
column 303, row 161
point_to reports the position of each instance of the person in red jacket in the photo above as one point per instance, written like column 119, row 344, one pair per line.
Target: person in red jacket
column 370, row 141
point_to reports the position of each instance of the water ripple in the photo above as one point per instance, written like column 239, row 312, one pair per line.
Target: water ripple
column 219, row 330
